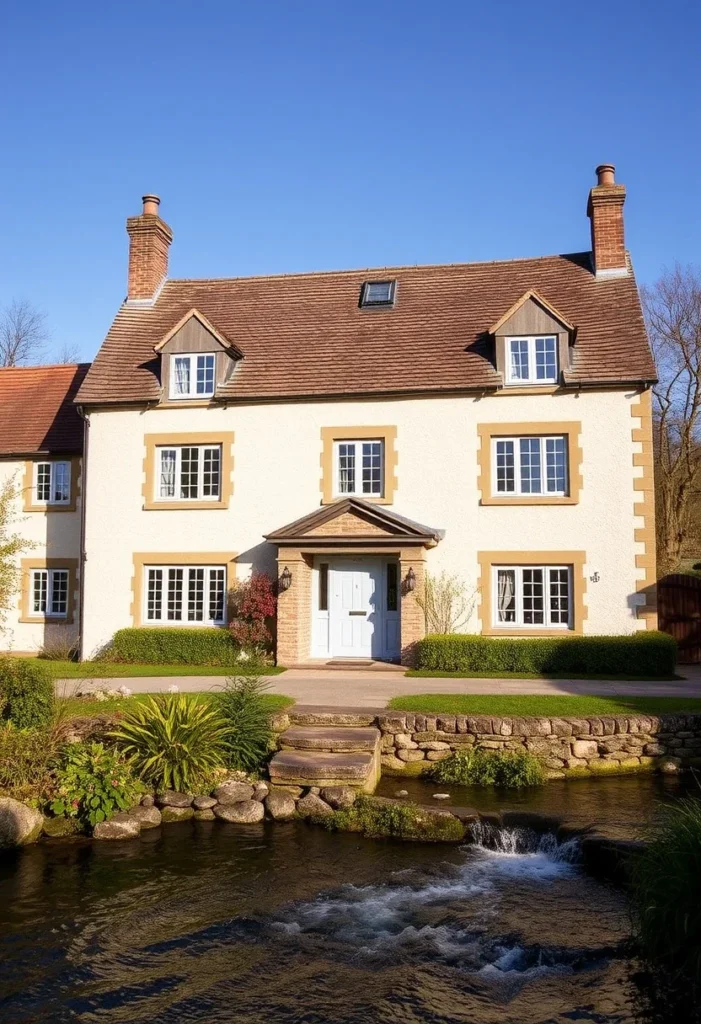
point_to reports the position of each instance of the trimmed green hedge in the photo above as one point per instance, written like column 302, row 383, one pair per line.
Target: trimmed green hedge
column 644, row 653
column 26, row 693
column 152, row 646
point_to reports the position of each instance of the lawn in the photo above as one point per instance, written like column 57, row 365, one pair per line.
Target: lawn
column 548, row 706
column 112, row 670
column 429, row 673
column 75, row 707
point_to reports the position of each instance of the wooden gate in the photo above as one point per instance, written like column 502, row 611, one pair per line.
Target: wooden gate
column 679, row 609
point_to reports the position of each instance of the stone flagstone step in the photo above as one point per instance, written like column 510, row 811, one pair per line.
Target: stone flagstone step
column 322, row 768
column 333, row 738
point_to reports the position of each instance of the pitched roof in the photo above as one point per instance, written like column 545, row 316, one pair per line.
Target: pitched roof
column 38, row 410
column 393, row 524
column 305, row 335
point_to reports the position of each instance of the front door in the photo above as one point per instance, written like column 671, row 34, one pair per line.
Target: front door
column 355, row 609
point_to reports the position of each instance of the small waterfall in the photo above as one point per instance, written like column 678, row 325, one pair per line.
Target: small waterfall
column 520, row 841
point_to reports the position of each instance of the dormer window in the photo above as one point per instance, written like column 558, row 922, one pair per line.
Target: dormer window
column 192, row 375
column 378, row 293
column 532, row 360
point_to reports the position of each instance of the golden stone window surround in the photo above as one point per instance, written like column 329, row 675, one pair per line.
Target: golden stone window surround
column 487, row 560
column 225, row 439
column 570, row 429
column 30, row 504
column 26, row 567
column 386, row 434
column 159, row 559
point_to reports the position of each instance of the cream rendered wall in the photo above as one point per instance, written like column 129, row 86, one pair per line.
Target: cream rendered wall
column 277, row 479
column 54, row 535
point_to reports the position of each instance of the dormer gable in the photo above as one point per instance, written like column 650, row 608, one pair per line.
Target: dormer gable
column 196, row 359
column 532, row 317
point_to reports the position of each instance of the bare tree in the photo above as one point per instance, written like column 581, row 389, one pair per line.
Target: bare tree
column 68, row 354
column 23, row 333
column 673, row 315
column 11, row 545
column 447, row 603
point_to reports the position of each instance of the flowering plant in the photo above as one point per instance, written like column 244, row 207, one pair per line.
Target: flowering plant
column 94, row 783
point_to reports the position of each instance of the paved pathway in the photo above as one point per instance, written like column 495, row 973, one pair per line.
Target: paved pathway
column 375, row 688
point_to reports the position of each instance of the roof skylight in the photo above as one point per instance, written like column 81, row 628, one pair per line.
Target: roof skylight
column 378, row 293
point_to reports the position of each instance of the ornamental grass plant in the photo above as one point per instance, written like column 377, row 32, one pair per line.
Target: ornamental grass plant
column 246, row 716
column 510, row 769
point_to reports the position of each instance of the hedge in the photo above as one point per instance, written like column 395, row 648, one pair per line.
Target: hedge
column 154, row 646
column 644, row 654
column 26, row 693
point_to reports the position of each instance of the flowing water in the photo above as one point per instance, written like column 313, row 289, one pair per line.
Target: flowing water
column 289, row 923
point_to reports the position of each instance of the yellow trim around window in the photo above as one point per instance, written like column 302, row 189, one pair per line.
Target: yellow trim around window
column 154, row 441
column 388, row 435
column 488, row 559
column 160, row 558
column 26, row 567
column 485, row 482
column 29, row 488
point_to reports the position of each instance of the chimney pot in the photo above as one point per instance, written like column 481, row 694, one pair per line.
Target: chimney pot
column 151, row 204
column 605, row 174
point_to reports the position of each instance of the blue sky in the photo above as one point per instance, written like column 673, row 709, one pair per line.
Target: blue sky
column 315, row 135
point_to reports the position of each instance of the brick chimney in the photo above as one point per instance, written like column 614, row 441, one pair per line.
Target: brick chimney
column 149, row 241
column 605, row 211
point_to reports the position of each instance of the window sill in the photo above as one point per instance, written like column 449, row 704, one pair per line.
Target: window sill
column 373, row 499
column 188, row 403
column 181, row 506
column 154, row 624
column 43, row 620
column 68, row 507
column 528, row 389
column 535, row 499
column 521, row 631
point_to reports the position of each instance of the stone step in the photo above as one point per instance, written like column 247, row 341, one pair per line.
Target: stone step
column 322, row 768
column 328, row 715
column 331, row 738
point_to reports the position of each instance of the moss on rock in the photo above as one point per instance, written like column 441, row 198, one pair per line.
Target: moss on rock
column 382, row 819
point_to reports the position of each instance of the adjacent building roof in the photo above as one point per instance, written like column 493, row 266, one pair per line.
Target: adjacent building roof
column 37, row 410
column 306, row 336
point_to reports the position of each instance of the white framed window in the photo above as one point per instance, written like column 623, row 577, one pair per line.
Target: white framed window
column 188, row 473
column 532, row 360
column 532, row 596
column 192, row 375
column 52, row 483
column 530, row 465
column 359, row 468
column 49, row 593
column 190, row 594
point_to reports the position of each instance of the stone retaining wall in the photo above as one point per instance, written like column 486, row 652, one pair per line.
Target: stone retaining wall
column 567, row 746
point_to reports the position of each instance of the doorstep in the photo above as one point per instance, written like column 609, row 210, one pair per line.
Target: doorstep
column 349, row 665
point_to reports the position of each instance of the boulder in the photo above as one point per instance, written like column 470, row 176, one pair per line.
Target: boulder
column 280, row 806
column 233, row 792
column 147, row 801
column 203, row 803
column 206, row 814
column 169, row 813
column 19, row 824
column 148, row 817
column 172, row 799
column 61, row 826
column 242, row 812
column 338, row 797
column 260, row 791
column 121, row 826
column 312, row 806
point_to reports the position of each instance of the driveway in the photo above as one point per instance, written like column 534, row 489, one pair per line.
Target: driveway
column 358, row 688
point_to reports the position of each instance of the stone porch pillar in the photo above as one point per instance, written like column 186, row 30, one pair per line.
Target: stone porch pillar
column 413, row 620
column 294, row 608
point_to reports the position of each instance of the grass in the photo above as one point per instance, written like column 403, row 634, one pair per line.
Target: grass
column 112, row 670
column 548, row 706
column 427, row 673
column 75, row 707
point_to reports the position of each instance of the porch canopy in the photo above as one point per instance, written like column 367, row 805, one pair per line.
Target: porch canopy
column 349, row 526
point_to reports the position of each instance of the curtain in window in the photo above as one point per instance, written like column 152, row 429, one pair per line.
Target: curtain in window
column 505, row 596
column 167, row 489
column 182, row 376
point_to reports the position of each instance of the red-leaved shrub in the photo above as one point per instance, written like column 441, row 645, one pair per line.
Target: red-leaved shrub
column 253, row 601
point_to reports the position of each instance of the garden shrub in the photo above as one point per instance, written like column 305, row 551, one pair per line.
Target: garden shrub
column 511, row 769
column 378, row 820
column 254, row 605
column 94, row 782
column 26, row 693
column 246, row 717
column 666, row 899
column 172, row 741
column 166, row 646
column 26, row 758
column 644, row 653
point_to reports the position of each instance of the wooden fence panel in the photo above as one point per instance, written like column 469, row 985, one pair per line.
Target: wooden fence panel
column 679, row 609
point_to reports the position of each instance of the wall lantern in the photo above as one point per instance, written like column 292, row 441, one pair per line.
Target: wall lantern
column 285, row 581
column 410, row 580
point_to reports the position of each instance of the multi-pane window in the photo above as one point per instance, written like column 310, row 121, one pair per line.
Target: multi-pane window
column 191, row 375
column 531, row 360
column 530, row 465
column 528, row 595
column 378, row 293
column 359, row 467
column 49, row 592
column 189, row 473
column 193, row 594
column 52, row 481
